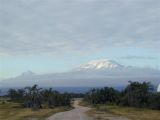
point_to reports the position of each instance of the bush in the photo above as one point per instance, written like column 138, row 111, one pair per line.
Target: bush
column 135, row 95
column 33, row 97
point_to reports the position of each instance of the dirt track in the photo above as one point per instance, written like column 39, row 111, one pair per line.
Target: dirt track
column 76, row 114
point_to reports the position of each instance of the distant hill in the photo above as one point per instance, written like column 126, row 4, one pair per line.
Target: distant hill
column 93, row 73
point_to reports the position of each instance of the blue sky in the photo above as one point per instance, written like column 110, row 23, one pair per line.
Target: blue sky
column 47, row 36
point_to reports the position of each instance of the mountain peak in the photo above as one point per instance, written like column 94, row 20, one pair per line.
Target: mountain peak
column 102, row 64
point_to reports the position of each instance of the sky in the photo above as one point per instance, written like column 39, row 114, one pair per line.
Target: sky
column 47, row 36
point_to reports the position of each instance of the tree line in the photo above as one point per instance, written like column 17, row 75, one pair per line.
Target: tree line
column 35, row 97
column 136, row 94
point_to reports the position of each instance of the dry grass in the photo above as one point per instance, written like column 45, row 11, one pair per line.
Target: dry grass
column 113, row 112
column 107, row 112
column 135, row 113
column 13, row 111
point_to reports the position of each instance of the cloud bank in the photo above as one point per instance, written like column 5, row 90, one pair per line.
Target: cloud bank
column 60, row 26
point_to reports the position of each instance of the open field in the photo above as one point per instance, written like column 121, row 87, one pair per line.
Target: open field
column 123, row 113
column 13, row 111
column 113, row 112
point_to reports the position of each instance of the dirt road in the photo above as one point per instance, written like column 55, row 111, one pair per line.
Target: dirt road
column 76, row 114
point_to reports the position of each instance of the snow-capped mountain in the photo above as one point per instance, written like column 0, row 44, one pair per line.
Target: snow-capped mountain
column 94, row 73
column 100, row 65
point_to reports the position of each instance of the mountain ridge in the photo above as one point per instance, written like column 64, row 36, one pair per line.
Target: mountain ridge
column 94, row 73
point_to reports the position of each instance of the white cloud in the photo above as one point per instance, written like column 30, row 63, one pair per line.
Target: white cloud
column 59, row 26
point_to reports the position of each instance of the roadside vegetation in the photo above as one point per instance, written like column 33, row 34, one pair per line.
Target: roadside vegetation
column 35, row 97
column 136, row 102
column 139, row 95
column 33, row 102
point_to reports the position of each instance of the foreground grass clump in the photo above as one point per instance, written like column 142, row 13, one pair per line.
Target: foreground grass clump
column 102, row 112
column 14, row 111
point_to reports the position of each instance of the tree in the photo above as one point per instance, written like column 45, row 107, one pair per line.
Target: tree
column 155, row 101
column 33, row 97
column 136, row 94
column 16, row 95
column 102, row 96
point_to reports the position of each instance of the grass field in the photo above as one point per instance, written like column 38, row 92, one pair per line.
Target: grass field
column 13, row 111
column 109, row 112
column 105, row 112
